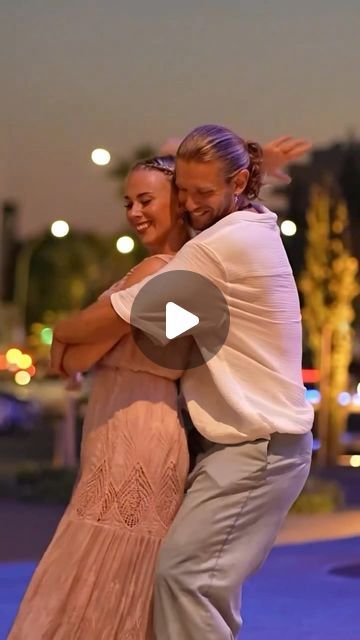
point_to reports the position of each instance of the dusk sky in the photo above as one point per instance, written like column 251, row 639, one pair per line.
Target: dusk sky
column 81, row 74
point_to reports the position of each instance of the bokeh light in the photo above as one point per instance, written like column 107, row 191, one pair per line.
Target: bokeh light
column 125, row 244
column 25, row 361
column 60, row 228
column 313, row 396
column 100, row 157
column 344, row 398
column 13, row 356
column 46, row 335
column 356, row 399
column 355, row 461
column 22, row 378
column 288, row 228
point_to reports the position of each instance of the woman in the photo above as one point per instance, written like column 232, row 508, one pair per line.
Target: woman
column 95, row 580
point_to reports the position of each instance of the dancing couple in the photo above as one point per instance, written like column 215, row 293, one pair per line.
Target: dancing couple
column 148, row 550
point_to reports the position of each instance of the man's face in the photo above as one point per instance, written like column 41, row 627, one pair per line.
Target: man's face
column 204, row 192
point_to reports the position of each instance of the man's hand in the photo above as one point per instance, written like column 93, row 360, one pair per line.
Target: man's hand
column 280, row 152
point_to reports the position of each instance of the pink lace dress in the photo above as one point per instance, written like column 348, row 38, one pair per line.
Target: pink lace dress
column 95, row 581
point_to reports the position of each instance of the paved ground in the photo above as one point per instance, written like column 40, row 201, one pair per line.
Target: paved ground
column 328, row 526
column 295, row 596
column 27, row 528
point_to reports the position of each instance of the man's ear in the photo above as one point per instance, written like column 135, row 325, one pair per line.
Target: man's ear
column 241, row 179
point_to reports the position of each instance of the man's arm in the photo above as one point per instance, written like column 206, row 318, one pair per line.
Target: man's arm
column 194, row 257
column 99, row 321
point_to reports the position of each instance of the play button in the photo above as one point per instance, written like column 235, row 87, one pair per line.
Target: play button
column 180, row 319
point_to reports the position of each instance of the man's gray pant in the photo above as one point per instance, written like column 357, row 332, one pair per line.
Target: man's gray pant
column 236, row 501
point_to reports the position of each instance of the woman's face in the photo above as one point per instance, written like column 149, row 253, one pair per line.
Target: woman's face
column 151, row 206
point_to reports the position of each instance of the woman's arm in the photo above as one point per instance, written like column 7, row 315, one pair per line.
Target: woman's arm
column 56, row 356
column 81, row 357
column 91, row 324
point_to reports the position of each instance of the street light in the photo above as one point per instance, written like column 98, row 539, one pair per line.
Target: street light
column 125, row 244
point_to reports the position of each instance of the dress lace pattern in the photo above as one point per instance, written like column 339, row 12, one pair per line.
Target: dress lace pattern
column 134, row 503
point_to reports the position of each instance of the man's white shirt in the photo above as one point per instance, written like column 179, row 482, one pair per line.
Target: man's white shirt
column 253, row 386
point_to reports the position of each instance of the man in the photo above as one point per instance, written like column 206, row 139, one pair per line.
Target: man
column 247, row 402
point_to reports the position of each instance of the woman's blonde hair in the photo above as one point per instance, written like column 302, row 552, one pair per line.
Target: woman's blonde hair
column 163, row 164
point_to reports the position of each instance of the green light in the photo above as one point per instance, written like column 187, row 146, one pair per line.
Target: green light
column 46, row 335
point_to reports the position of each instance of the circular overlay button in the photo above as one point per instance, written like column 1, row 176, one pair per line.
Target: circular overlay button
column 180, row 320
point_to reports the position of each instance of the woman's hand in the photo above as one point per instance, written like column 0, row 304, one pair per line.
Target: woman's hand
column 79, row 358
column 278, row 153
column 74, row 382
column 56, row 357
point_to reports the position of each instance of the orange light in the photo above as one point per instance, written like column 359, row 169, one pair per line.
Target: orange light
column 31, row 370
column 3, row 362
column 311, row 376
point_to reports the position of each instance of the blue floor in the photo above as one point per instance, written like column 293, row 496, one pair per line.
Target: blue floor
column 293, row 597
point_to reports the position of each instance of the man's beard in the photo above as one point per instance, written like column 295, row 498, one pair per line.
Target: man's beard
column 226, row 210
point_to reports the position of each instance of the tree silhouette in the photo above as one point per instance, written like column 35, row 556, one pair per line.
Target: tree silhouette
column 329, row 286
column 123, row 166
